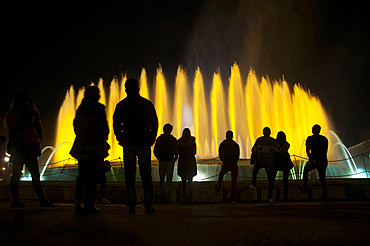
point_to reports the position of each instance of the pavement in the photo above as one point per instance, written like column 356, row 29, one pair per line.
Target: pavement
column 247, row 223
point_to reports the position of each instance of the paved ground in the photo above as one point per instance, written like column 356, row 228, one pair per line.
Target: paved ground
column 289, row 223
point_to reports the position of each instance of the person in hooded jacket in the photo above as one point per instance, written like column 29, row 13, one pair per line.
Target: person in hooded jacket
column 282, row 160
column 89, row 148
column 187, row 165
column 23, row 123
column 229, row 153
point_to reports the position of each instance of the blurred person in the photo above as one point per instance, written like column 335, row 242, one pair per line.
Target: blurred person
column 24, row 146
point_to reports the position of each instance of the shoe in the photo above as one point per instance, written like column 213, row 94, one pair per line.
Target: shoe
column 149, row 210
column 217, row 189
column 252, row 187
column 302, row 188
column 270, row 201
column 48, row 205
column 105, row 201
column 91, row 210
column 130, row 210
column 233, row 201
column 17, row 206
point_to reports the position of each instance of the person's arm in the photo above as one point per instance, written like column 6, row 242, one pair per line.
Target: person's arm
column 221, row 152
column 117, row 127
column 37, row 124
column 153, row 125
column 308, row 150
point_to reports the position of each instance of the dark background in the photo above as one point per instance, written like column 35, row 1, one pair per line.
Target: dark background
column 322, row 45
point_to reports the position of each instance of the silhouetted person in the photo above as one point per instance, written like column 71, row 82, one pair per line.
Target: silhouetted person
column 23, row 123
column 89, row 148
column 187, row 165
column 282, row 160
column 264, row 150
column 229, row 153
column 317, row 149
column 166, row 151
column 135, row 125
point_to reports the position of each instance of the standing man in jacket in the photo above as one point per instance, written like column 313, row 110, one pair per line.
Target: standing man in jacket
column 229, row 153
column 135, row 125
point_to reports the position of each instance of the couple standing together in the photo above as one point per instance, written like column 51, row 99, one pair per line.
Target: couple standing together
column 135, row 125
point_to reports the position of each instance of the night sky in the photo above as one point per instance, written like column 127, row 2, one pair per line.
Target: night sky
column 322, row 45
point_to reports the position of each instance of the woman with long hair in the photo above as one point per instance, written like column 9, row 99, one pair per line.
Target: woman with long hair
column 282, row 161
column 187, row 165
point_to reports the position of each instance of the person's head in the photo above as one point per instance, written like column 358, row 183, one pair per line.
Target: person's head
column 316, row 129
column 22, row 100
column 92, row 92
column 132, row 86
column 167, row 128
column 281, row 137
column 186, row 133
column 266, row 131
column 229, row 135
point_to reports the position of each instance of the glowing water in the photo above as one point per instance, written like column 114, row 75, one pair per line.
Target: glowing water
column 245, row 107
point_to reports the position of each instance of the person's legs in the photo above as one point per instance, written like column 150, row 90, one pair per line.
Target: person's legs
column 91, row 179
column 170, row 167
column 80, row 183
column 234, row 178
column 321, row 169
column 309, row 167
column 32, row 165
column 254, row 174
column 190, row 189
column 184, row 187
column 14, row 181
column 221, row 174
column 129, row 157
column 271, row 179
column 145, row 167
column 286, row 184
column 162, row 174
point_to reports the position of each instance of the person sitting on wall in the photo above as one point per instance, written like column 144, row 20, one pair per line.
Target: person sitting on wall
column 264, row 150
column 316, row 149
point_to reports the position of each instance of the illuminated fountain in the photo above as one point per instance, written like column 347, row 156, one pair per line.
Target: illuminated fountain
column 243, row 106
